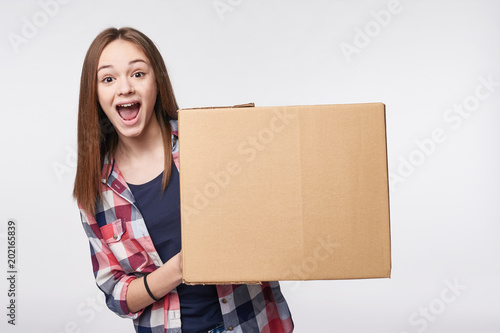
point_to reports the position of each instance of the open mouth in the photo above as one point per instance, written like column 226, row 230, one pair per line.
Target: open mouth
column 128, row 111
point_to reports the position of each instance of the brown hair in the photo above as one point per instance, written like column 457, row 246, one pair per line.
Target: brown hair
column 96, row 135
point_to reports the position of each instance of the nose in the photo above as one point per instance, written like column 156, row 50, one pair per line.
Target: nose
column 125, row 87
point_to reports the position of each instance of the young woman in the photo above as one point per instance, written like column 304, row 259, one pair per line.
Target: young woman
column 127, row 188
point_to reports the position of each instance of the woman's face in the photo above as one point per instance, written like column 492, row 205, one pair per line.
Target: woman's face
column 126, row 88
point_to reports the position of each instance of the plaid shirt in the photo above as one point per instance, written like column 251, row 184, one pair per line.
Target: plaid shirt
column 122, row 250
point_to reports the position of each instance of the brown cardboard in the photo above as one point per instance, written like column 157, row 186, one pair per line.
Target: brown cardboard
column 284, row 193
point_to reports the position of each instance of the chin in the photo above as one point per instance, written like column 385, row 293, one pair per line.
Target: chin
column 131, row 133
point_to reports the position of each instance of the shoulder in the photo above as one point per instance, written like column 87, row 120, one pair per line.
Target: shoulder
column 175, row 135
column 175, row 126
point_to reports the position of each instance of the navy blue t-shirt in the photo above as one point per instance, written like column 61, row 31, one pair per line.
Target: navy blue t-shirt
column 200, row 308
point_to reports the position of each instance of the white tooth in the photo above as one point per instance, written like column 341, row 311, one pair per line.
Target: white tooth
column 127, row 105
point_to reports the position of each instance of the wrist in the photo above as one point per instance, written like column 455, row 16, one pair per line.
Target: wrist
column 149, row 290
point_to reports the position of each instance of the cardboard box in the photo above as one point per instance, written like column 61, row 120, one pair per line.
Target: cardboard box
column 284, row 193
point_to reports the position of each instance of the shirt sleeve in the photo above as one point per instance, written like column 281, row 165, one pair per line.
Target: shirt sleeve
column 109, row 275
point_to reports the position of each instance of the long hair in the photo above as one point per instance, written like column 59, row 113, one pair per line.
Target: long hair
column 96, row 135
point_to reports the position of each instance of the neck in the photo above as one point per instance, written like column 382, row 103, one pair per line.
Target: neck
column 148, row 144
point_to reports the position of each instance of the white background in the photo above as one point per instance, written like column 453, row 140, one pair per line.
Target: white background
column 425, row 59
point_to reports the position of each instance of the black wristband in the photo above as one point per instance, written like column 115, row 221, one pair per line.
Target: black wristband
column 147, row 289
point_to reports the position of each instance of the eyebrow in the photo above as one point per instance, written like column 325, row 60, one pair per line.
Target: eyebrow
column 130, row 63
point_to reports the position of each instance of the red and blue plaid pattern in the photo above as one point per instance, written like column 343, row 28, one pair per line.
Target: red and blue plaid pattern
column 122, row 250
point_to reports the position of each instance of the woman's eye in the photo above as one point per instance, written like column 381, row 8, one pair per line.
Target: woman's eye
column 107, row 79
column 139, row 74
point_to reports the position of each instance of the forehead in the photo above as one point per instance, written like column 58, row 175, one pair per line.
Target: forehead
column 121, row 52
